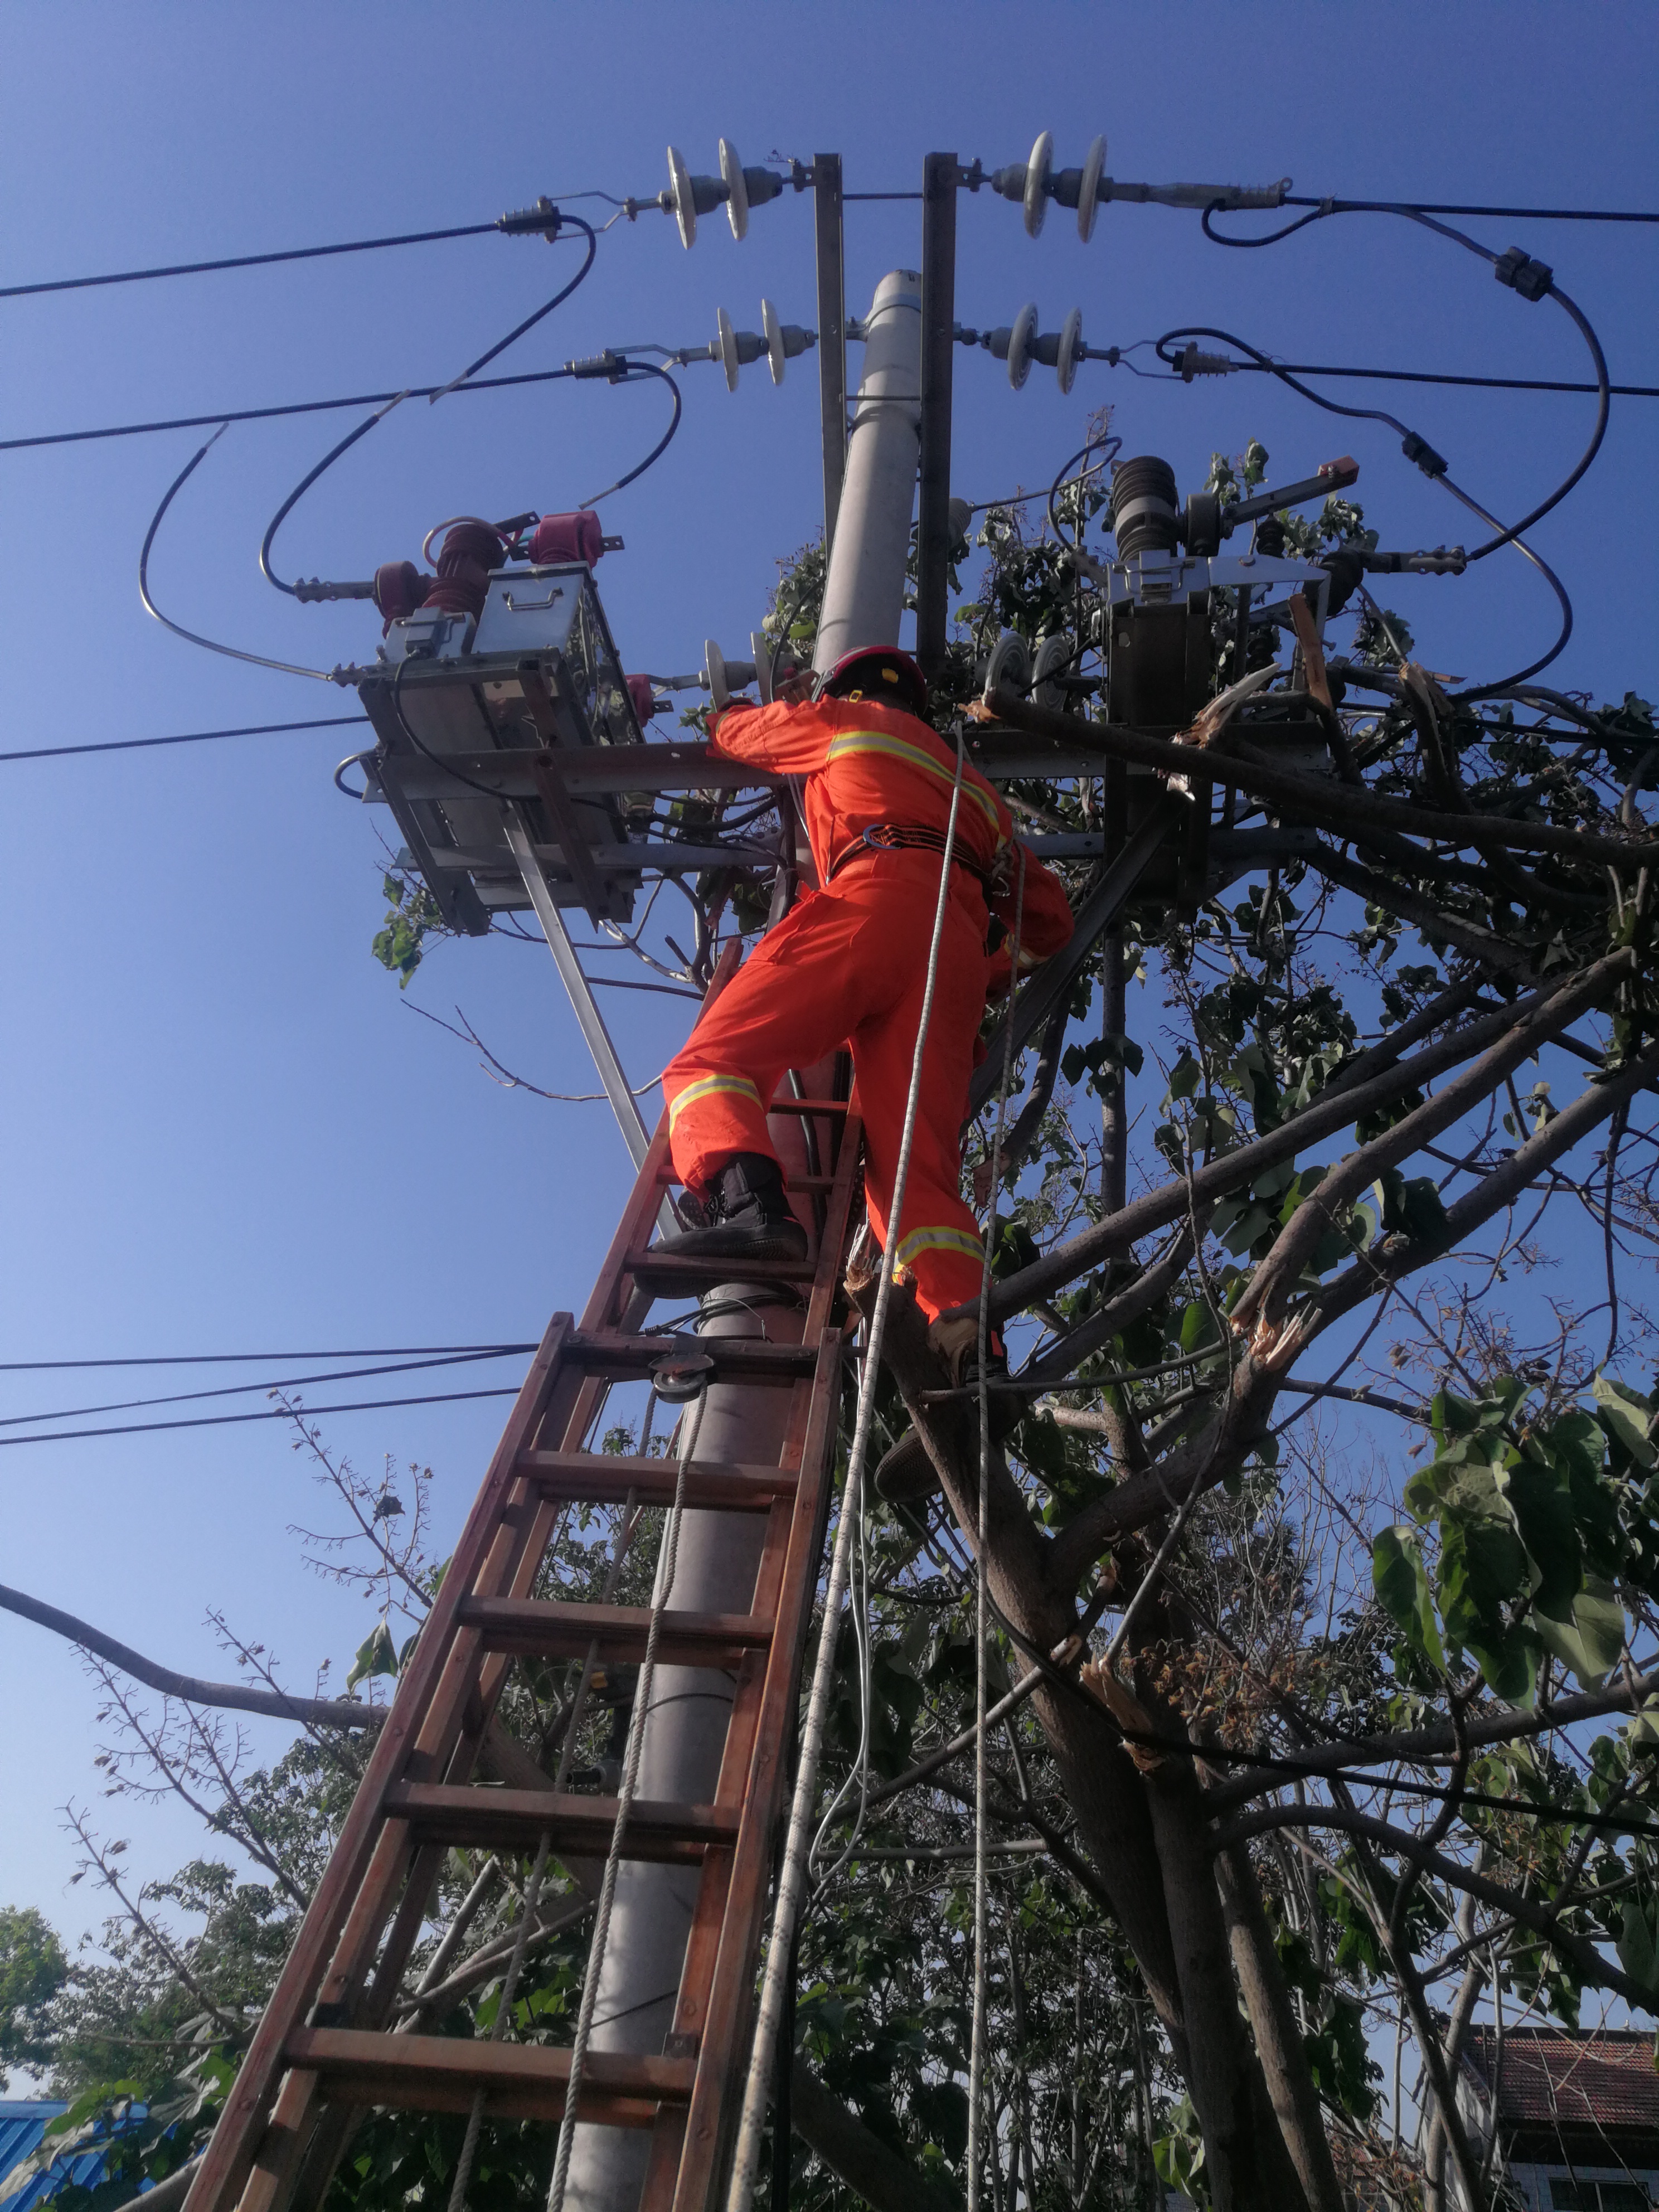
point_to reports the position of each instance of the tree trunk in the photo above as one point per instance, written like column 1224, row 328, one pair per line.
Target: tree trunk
column 1279, row 2045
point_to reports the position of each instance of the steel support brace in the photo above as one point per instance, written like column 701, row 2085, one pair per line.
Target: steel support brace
column 623, row 1104
column 1100, row 911
column 938, row 290
column 832, row 333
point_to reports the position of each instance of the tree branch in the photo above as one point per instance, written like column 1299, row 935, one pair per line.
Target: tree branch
column 233, row 1697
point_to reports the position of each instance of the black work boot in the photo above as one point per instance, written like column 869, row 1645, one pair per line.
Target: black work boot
column 750, row 1217
column 905, row 1472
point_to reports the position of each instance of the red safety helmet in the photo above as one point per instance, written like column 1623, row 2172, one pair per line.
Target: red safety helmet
column 878, row 671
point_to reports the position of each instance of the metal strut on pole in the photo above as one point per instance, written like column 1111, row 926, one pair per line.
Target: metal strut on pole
column 941, row 176
column 832, row 331
column 625, row 1105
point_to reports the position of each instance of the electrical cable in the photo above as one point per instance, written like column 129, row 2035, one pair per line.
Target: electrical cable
column 422, row 747
column 243, row 261
column 530, row 321
column 363, row 428
column 184, row 737
column 1484, row 252
column 228, row 1420
column 304, row 484
column 247, row 1358
column 274, row 414
column 637, row 369
column 1439, row 207
column 241, row 1389
column 1435, row 376
column 230, row 652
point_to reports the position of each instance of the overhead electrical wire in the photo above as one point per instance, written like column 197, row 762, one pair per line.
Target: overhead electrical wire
column 243, row 261
column 1443, row 207
column 181, row 737
column 241, row 1389
column 248, row 1359
column 270, row 1414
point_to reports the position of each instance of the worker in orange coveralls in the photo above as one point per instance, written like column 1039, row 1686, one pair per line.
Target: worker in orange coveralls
column 848, row 965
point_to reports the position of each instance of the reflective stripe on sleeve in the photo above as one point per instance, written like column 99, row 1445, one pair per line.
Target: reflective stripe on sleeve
column 706, row 1087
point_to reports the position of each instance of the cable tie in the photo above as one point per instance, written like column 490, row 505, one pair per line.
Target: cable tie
column 1531, row 279
column 1422, row 452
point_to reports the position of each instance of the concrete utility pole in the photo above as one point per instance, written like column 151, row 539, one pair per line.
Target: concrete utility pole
column 719, row 1553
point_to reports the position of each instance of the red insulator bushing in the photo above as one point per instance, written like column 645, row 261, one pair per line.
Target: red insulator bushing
column 470, row 551
column 398, row 585
column 557, row 537
column 644, row 698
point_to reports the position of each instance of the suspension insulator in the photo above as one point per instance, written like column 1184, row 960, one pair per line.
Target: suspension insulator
column 560, row 538
column 1143, row 507
column 399, row 587
column 470, row 551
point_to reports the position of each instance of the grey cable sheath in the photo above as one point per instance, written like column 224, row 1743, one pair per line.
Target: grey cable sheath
column 981, row 1618
column 630, row 1775
column 792, row 1880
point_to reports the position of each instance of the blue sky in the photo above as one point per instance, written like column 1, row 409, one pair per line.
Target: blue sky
column 225, row 1131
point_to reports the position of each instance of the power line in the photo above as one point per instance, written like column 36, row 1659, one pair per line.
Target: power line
column 242, row 261
column 1431, row 376
column 272, row 1413
column 270, row 414
column 241, row 1389
column 247, row 1358
column 182, row 737
column 1439, row 207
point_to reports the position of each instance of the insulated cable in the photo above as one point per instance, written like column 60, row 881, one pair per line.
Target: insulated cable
column 1499, row 264
column 230, row 652
column 432, row 397
column 247, row 1358
column 637, row 369
column 241, row 1389
column 229, row 1420
column 244, row 261
column 183, row 737
column 791, row 1876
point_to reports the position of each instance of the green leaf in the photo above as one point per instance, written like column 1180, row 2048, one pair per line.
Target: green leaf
column 1638, row 1954
column 1402, row 1583
column 377, row 1656
column 1625, row 1416
column 1184, row 1078
column 1588, row 1638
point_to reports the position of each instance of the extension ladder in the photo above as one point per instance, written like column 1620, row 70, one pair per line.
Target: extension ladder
column 325, row 2048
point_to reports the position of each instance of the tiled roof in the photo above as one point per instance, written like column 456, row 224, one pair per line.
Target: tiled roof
column 1605, row 2078
column 22, row 2127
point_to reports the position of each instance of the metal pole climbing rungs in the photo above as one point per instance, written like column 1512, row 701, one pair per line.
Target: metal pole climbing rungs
column 328, row 2045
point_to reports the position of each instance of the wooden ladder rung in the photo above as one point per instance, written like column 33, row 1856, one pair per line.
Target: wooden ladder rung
column 536, row 1630
column 787, row 1105
column 522, row 2080
column 737, row 1358
column 607, row 1477
column 515, row 1819
column 681, row 1271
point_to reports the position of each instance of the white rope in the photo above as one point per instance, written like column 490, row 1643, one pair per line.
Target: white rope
column 667, row 1563
column 981, row 1612
column 792, row 1880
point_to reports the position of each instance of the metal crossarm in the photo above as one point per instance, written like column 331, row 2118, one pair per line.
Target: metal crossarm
column 325, row 2048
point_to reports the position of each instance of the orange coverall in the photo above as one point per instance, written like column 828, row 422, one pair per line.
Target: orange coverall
column 849, row 965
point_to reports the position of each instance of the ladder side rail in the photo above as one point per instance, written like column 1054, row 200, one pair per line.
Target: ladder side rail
column 225, row 2161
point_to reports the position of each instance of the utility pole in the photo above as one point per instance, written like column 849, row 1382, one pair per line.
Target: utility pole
column 684, row 1732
